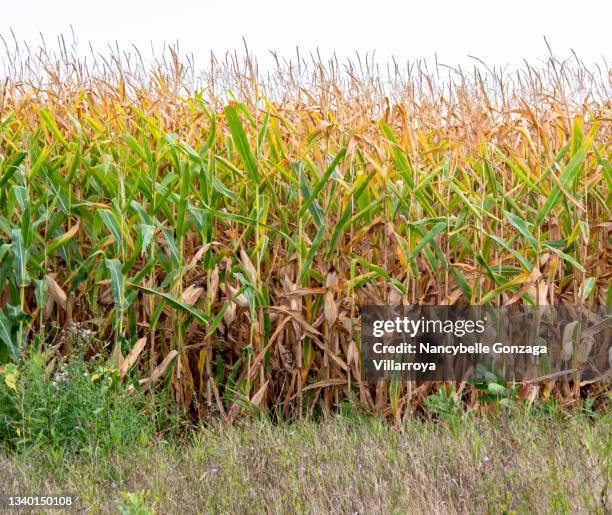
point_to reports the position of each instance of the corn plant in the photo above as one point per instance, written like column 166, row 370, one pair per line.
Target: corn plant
column 221, row 244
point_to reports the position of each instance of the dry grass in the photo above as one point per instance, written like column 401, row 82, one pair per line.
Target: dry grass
column 531, row 464
column 227, row 241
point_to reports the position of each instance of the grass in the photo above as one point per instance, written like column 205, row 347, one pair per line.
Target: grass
column 220, row 245
column 80, row 430
column 525, row 463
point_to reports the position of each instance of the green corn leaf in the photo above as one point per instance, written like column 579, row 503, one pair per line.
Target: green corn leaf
column 41, row 292
column 311, row 254
column 261, row 136
column 172, row 247
column 118, row 283
column 465, row 288
column 587, row 288
column 59, row 187
column 146, row 231
column 382, row 273
column 196, row 313
column 22, row 197
column 111, row 223
column 62, row 239
column 437, row 229
column 242, row 143
column 566, row 178
column 361, row 185
column 528, row 266
column 565, row 256
column 6, row 336
column 49, row 121
column 11, row 167
column 322, row 181
column 313, row 206
column 522, row 227
column 20, row 253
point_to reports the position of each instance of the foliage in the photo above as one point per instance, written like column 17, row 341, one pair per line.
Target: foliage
column 221, row 245
column 66, row 411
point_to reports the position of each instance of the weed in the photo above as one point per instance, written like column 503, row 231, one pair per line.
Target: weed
column 76, row 407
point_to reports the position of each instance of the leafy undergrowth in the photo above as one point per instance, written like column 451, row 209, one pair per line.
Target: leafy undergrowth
column 528, row 462
column 74, row 407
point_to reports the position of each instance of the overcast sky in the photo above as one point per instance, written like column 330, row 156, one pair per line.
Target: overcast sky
column 498, row 32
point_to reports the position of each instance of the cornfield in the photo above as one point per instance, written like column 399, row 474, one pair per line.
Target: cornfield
column 215, row 233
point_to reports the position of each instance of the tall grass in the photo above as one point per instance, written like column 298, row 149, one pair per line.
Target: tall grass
column 526, row 463
column 219, row 233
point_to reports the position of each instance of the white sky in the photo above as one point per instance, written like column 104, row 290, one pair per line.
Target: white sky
column 500, row 33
